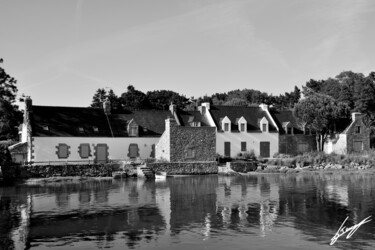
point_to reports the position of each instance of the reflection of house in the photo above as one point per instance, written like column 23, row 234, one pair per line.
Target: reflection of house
column 59, row 134
column 243, row 129
column 293, row 138
column 354, row 138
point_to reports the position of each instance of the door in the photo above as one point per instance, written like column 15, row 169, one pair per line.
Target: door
column 227, row 148
column 101, row 153
column 265, row 149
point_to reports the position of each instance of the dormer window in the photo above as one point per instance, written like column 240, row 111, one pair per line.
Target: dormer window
column 132, row 128
column 264, row 125
column 226, row 124
column 81, row 130
column 45, row 128
column 96, row 129
column 242, row 127
column 242, row 124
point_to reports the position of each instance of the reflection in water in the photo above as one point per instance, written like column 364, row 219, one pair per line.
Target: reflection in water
column 214, row 212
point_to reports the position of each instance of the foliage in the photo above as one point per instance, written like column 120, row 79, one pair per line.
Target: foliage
column 101, row 95
column 5, row 157
column 133, row 99
column 161, row 99
column 320, row 113
column 10, row 116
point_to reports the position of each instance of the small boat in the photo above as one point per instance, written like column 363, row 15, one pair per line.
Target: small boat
column 161, row 175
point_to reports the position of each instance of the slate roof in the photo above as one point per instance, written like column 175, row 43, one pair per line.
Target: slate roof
column 186, row 117
column 286, row 116
column 66, row 121
column 252, row 114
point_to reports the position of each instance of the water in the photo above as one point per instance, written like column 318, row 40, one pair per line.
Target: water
column 300, row 211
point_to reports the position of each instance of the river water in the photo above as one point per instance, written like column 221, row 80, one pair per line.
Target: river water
column 269, row 211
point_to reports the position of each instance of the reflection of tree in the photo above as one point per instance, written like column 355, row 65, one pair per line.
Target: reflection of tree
column 316, row 208
column 8, row 221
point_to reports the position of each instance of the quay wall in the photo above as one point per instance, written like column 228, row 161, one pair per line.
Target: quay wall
column 185, row 168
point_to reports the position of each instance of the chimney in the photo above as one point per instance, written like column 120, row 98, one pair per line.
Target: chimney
column 28, row 109
column 173, row 108
column 263, row 106
column 28, row 104
column 107, row 107
column 206, row 105
column 356, row 115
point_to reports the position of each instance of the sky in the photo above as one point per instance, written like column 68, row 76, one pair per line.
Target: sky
column 61, row 52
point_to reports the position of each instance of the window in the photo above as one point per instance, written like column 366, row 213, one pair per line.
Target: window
column 264, row 127
column 190, row 153
column 84, row 150
column 133, row 131
column 226, row 126
column 242, row 127
column 289, row 130
column 243, row 146
column 358, row 129
column 96, row 129
column 45, row 127
column 62, row 151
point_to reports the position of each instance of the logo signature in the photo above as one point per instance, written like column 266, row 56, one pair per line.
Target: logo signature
column 350, row 230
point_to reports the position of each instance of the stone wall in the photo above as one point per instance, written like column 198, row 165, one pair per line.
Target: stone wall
column 292, row 144
column 45, row 171
column 186, row 144
column 184, row 168
column 353, row 137
column 243, row 167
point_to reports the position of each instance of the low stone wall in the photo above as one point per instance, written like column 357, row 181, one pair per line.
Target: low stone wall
column 45, row 171
column 243, row 167
column 184, row 168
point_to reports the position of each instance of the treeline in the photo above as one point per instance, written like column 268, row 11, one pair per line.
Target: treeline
column 355, row 90
column 161, row 99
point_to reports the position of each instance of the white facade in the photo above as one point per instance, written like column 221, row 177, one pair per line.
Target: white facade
column 45, row 148
column 337, row 146
column 252, row 142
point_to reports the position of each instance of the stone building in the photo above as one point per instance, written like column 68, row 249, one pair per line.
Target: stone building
column 354, row 138
column 186, row 143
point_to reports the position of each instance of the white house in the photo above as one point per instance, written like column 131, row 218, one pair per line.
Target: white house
column 243, row 129
column 54, row 135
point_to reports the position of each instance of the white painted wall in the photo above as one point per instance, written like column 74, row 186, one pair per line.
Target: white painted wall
column 45, row 147
column 252, row 142
column 338, row 147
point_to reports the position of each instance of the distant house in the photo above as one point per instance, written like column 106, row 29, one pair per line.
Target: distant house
column 61, row 134
column 354, row 137
column 294, row 138
column 242, row 129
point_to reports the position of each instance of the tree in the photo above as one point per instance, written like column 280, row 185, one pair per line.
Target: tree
column 133, row 99
column 161, row 99
column 98, row 98
column 320, row 112
column 10, row 116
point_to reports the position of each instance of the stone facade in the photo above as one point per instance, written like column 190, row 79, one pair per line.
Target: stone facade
column 358, row 136
column 184, row 168
column 186, row 144
column 294, row 144
column 45, row 171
